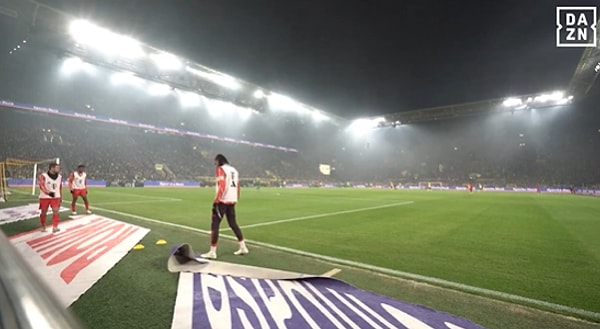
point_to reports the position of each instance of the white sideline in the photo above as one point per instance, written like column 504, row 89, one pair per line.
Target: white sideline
column 326, row 214
column 141, row 201
column 435, row 281
column 135, row 195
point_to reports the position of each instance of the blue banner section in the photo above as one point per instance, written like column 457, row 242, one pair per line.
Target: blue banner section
column 235, row 302
column 156, row 183
column 14, row 182
column 160, row 129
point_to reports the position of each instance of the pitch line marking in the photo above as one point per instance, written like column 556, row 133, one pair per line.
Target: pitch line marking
column 498, row 295
column 134, row 195
column 331, row 273
column 335, row 213
column 141, row 201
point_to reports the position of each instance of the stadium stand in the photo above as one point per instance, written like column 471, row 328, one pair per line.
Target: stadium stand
column 510, row 153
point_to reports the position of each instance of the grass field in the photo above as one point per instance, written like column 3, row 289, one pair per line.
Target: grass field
column 425, row 247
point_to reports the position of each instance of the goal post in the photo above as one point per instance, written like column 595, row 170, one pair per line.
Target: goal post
column 22, row 171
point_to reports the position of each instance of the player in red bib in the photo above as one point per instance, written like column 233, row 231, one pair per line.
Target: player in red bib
column 227, row 195
column 50, row 184
column 78, row 187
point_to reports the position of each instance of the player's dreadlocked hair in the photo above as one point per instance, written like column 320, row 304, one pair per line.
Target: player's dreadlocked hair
column 221, row 159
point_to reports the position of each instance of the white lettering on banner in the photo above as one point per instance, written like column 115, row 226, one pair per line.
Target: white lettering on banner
column 406, row 319
column 370, row 311
column 332, row 306
column 291, row 289
column 241, row 292
column 72, row 261
column 237, row 302
column 218, row 317
column 276, row 304
column 354, row 309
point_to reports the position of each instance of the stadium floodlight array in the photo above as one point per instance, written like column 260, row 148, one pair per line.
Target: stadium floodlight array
column 101, row 39
column 166, row 61
column 556, row 98
column 122, row 53
column 362, row 125
column 188, row 99
column 17, row 47
column 159, row 89
column 220, row 79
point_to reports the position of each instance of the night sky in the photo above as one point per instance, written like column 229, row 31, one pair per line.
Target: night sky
column 353, row 57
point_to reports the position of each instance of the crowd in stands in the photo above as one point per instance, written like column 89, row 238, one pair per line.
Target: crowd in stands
column 123, row 154
column 127, row 155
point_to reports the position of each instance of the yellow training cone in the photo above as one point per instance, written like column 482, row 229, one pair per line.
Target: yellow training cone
column 161, row 242
column 138, row 246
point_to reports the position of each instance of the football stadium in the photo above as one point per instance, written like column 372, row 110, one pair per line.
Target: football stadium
column 479, row 214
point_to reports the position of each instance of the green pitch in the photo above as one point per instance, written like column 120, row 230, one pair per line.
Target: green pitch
column 542, row 247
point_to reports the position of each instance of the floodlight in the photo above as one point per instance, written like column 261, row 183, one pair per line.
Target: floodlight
column 159, row 89
column 103, row 40
column 225, row 81
column 217, row 107
column 259, row 94
column 318, row 116
column 166, row 61
column 222, row 80
column 71, row 65
column 362, row 125
column 188, row 99
column 129, row 78
column 555, row 96
column 245, row 113
column 128, row 47
column 284, row 103
column 511, row 102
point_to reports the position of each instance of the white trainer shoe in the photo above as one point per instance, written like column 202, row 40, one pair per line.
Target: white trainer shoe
column 73, row 212
column 55, row 230
column 209, row 255
column 88, row 211
column 241, row 251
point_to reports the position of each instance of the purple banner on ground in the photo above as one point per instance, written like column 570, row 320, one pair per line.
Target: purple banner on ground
column 234, row 302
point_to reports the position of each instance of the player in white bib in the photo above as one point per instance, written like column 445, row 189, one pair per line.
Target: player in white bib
column 226, row 197
column 50, row 184
column 78, row 187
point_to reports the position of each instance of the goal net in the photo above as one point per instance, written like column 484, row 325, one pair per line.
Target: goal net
column 19, row 176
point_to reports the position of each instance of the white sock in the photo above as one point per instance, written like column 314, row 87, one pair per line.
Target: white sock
column 242, row 244
column 213, row 249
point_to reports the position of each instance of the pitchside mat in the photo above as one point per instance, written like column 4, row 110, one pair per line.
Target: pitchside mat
column 214, row 294
column 72, row 260
column 15, row 214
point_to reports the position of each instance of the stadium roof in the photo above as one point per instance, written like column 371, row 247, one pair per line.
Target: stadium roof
column 63, row 33
column 587, row 70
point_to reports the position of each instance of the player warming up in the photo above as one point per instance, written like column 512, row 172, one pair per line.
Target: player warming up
column 227, row 195
column 50, row 184
column 78, row 187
